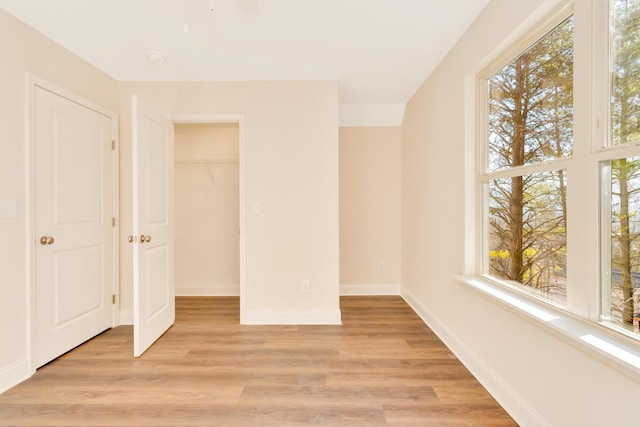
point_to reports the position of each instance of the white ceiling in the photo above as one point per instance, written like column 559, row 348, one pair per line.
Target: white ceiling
column 380, row 51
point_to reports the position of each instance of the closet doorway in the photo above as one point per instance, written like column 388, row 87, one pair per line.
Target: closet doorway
column 207, row 209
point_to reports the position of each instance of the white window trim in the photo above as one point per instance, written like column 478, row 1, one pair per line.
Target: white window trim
column 579, row 324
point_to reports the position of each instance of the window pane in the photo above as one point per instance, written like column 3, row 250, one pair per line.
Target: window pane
column 625, row 70
column 625, row 241
column 527, row 232
column 531, row 104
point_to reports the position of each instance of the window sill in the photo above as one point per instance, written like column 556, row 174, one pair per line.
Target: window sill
column 616, row 350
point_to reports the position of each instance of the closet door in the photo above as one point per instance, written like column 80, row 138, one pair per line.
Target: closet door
column 153, row 240
column 74, row 235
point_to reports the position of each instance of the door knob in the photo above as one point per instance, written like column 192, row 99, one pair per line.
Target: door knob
column 144, row 238
column 47, row 240
column 131, row 239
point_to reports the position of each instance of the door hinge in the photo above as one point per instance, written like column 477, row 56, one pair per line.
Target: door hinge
column 113, row 299
column 113, row 144
column 113, row 221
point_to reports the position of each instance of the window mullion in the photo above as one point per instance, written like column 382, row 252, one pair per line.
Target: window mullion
column 583, row 203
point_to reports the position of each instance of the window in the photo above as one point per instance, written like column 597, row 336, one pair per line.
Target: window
column 559, row 181
column 620, row 302
column 529, row 134
column 621, row 170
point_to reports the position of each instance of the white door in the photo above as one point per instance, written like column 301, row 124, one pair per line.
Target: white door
column 73, row 224
column 153, row 253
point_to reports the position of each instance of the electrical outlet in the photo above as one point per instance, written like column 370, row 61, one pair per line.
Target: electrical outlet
column 306, row 286
column 381, row 266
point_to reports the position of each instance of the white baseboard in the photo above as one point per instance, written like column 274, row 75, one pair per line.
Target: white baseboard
column 207, row 290
column 14, row 374
column 510, row 400
column 371, row 289
column 126, row 317
column 310, row 317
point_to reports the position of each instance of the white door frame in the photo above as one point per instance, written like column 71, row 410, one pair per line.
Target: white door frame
column 32, row 82
column 239, row 119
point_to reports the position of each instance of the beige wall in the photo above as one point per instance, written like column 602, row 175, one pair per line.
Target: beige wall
column 25, row 51
column 207, row 210
column 369, row 208
column 537, row 375
column 291, row 154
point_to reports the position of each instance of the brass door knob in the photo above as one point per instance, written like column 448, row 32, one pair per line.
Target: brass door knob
column 145, row 239
column 132, row 239
column 47, row 240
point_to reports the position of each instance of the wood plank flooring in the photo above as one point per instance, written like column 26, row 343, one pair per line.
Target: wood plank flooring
column 382, row 367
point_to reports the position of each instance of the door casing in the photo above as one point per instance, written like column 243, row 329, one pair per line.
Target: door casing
column 32, row 82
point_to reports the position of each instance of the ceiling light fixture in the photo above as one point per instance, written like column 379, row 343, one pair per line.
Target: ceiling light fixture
column 157, row 57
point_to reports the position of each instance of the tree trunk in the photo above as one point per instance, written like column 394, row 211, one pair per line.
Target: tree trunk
column 516, row 271
column 625, row 231
column 625, row 244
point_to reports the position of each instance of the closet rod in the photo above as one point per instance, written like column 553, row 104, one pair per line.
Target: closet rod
column 206, row 161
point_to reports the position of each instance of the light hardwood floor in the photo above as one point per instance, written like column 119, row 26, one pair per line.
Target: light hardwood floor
column 382, row 367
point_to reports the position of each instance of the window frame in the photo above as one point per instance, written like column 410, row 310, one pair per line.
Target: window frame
column 580, row 321
column 604, row 151
column 588, row 216
column 484, row 176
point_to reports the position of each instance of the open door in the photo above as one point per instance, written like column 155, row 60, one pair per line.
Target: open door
column 153, row 252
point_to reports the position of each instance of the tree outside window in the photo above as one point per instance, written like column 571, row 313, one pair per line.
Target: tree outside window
column 625, row 172
column 530, row 122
